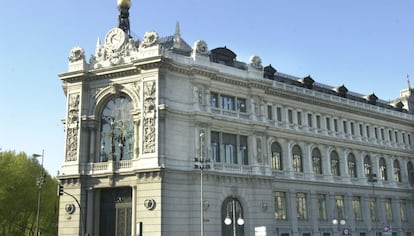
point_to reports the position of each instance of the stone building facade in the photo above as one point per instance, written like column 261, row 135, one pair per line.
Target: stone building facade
column 157, row 130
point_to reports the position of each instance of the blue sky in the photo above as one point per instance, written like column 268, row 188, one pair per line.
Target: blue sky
column 365, row 45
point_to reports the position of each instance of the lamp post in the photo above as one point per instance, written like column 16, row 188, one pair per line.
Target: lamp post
column 235, row 206
column 40, row 182
column 201, row 164
column 339, row 223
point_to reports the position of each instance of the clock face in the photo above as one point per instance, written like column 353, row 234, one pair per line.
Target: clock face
column 115, row 38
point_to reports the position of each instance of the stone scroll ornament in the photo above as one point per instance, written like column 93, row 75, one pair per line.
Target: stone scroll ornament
column 149, row 117
column 72, row 128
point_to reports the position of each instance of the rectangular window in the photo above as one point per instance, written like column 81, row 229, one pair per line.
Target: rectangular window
column 373, row 209
column 299, row 117
column 318, row 121
column 390, row 135
column 340, row 210
column 336, row 125
column 243, row 158
column 229, row 148
column 403, row 138
column 227, row 103
column 388, row 209
column 368, row 133
column 361, row 131
column 290, row 116
column 241, row 105
column 344, row 124
column 269, row 112
column 279, row 114
column 328, row 123
column 215, row 146
column 403, row 211
column 382, row 134
column 214, row 101
column 310, row 122
column 301, row 206
column 409, row 139
column 376, row 132
column 396, row 136
column 322, row 215
column 352, row 128
column 356, row 205
column 280, row 206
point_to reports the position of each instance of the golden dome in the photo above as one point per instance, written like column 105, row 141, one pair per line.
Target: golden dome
column 124, row 4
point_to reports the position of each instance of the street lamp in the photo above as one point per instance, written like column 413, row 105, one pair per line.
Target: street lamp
column 231, row 210
column 201, row 164
column 40, row 182
column 339, row 223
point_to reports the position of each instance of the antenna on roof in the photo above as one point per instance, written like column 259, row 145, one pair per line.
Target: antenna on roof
column 123, row 18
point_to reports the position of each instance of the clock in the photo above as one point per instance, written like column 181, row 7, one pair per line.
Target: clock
column 115, row 38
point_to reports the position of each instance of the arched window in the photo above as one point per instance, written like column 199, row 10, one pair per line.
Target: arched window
column 383, row 169
column 317, row 161
column 410, row 171
column 276, row 151
column 352, row 166
column 335, row 168
column 117, row 130
column 297, row 159
column 397, row 171
column 367, row 166
column 232, row 217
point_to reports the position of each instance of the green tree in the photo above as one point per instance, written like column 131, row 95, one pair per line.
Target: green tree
column 19, row 189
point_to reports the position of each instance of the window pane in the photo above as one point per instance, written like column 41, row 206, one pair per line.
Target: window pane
column 227, row 102
column 356, row 204
column 241, row 105
column 322, row 207
column 301, row 206
column 117, row 130
column 280, row 206
column 276, row 151
column 215, row 146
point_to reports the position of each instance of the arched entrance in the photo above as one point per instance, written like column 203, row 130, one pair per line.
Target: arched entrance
column 232, row 218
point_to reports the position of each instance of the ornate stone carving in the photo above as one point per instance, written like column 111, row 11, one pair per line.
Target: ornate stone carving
column 200, row 48
column 149, row 117
column 150, row 39
column 73, row 109
column 256, row 62
column 72, row 130
column 71, row 144
column 76, row 54
column 118, row 49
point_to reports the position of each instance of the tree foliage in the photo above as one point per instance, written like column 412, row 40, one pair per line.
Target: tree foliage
column 19, row 190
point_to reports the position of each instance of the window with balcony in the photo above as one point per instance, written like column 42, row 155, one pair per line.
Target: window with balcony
column 276, row 152
column 316, row 161
column 117, row 130
column 297, row 159
column 335, row 166
column 228, row 103
column 229, row 148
